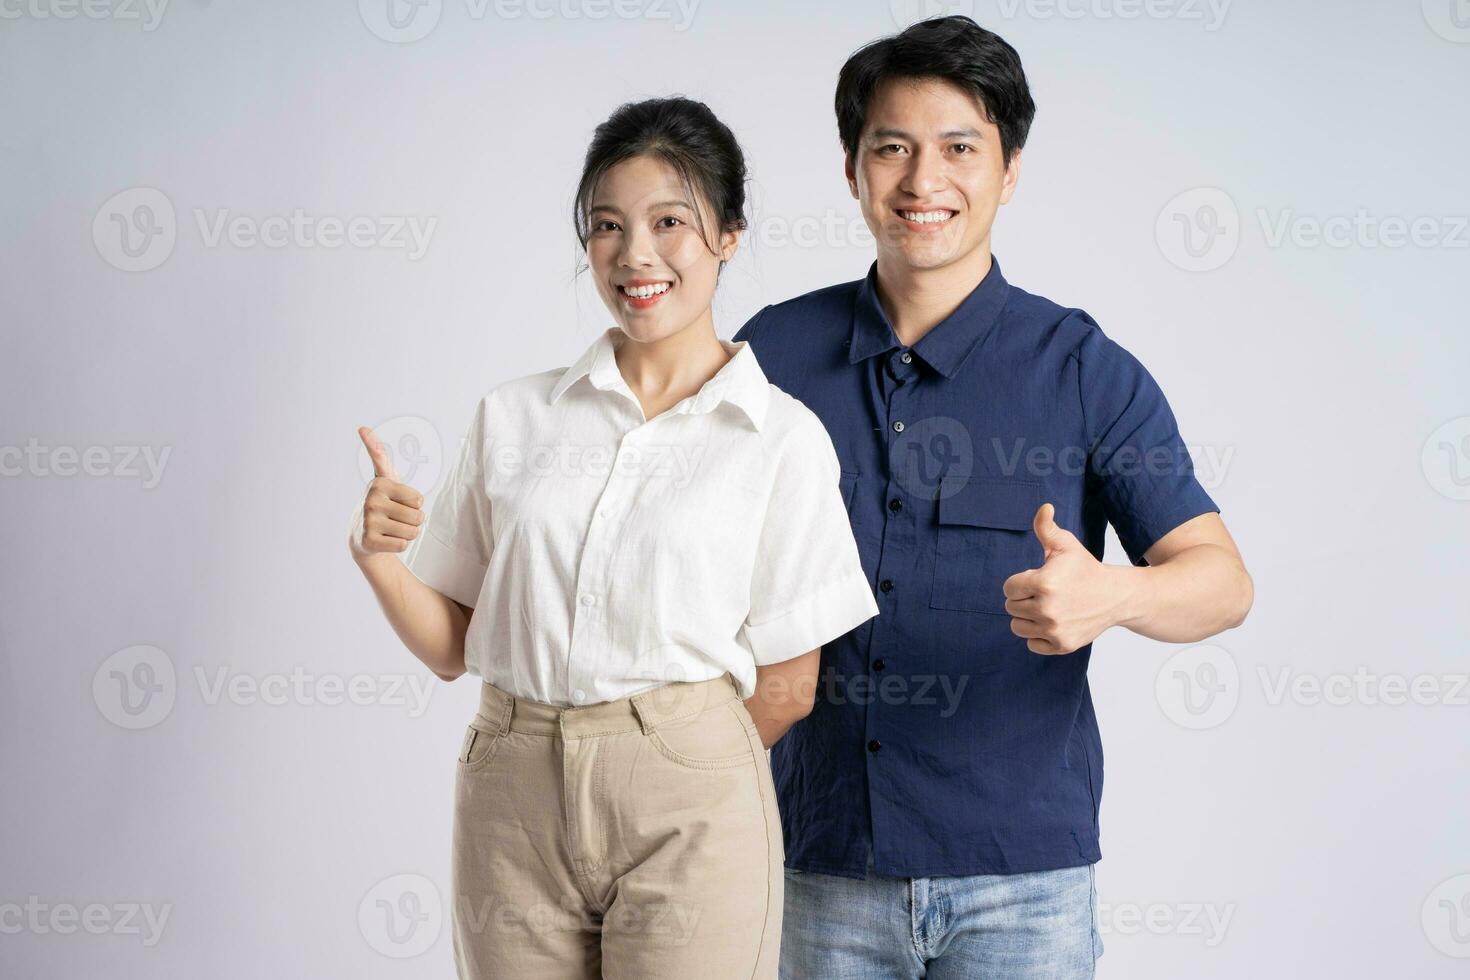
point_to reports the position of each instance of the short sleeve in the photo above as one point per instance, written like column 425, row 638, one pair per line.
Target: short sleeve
column 808, row 585
column 452, row 552
column 1135, row 456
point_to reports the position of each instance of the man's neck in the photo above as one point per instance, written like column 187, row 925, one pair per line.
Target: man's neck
column 918, row 300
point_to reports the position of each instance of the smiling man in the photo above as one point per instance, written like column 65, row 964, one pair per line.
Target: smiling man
column 987, row 437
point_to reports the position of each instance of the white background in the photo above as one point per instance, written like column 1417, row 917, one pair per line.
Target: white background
column 1321, row 386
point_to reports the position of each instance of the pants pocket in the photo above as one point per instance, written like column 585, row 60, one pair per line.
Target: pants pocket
column 716, row 738
column 478, row 747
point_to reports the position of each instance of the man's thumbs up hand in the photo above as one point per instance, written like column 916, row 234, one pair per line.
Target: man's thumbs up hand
column 1055, row 539
column 1063, row 605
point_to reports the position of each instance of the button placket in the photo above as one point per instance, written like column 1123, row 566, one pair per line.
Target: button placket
column 899, row 528
column 591, row 584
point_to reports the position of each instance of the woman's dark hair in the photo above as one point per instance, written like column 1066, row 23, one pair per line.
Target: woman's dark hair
column 684, row 134
column 952, row 48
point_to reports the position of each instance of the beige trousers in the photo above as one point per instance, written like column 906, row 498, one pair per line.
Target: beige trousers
column 636, row 838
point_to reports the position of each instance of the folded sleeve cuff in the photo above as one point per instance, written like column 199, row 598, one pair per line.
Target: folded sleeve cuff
column 445, row 570
column 1142, row 531
column 842, row 605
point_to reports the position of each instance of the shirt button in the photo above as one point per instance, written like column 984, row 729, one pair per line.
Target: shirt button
column 588, row 599
column 898, row 427
column 579, row 694
column 878, row 664
column 886, row 585
column 874, row 745
column 895, row 505
column 907, row 357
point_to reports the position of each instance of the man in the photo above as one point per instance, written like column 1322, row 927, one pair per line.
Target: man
column 940, row 803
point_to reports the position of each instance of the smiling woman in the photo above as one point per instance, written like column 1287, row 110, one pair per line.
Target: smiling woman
column 643, row 631
column 659, row 211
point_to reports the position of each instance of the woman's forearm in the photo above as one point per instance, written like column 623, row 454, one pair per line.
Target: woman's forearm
column 429, row 623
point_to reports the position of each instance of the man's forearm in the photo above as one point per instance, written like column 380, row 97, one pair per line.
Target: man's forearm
column 1197, row 593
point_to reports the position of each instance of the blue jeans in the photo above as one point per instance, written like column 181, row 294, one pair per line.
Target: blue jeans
column 1028, row 926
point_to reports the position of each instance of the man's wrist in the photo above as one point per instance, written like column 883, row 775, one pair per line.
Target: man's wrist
column 1132, row 585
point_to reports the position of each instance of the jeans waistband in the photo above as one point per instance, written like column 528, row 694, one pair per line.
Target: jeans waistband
column 644, row 711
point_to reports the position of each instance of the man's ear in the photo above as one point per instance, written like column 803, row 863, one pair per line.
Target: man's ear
column 1012, row 177
column 848, row 168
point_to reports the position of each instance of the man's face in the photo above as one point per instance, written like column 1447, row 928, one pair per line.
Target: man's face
column 929, row 173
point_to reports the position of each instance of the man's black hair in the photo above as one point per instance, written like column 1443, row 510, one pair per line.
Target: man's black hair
column 952, row 48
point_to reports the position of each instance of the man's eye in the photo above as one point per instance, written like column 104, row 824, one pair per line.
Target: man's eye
column 890, row 146
column 963, row 148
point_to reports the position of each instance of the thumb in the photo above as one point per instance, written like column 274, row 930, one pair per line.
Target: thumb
column 1053, row 537
column 378, row 453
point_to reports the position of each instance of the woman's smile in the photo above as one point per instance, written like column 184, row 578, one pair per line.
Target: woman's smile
column 642, row 294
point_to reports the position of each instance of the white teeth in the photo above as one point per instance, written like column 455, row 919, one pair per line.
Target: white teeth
column 926, row 217
column 643, row 292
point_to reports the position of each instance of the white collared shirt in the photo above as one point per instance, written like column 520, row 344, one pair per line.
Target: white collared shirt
column 605, row 554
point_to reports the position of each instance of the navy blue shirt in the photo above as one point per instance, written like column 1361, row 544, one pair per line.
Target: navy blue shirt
column 938, row 739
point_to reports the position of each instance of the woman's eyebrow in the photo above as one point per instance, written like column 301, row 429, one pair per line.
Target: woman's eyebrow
column 677, row 203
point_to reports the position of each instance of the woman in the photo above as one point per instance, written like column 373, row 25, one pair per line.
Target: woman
column 640, row 556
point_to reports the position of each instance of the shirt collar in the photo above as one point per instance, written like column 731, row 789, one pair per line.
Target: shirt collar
column 741, row 382
column 949, row 343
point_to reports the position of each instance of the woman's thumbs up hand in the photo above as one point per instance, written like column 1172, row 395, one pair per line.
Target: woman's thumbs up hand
column 391, row 512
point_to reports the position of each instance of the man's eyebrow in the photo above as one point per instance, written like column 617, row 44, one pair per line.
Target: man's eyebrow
column 899, row 134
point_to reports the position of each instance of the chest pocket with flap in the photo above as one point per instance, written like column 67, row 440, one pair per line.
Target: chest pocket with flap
column 984, row 537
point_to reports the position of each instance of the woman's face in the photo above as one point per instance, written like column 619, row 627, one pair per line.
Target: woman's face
column 654, row 271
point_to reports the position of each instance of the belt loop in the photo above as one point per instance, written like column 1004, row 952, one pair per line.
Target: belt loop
column 645, row 714
column 507, row 706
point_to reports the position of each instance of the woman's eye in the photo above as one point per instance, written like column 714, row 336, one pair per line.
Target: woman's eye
column 605, row 226
column 669, row 221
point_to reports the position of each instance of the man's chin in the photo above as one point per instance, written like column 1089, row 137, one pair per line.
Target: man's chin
column 927, row 257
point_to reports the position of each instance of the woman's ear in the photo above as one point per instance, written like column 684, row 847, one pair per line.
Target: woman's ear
column 729, row 244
